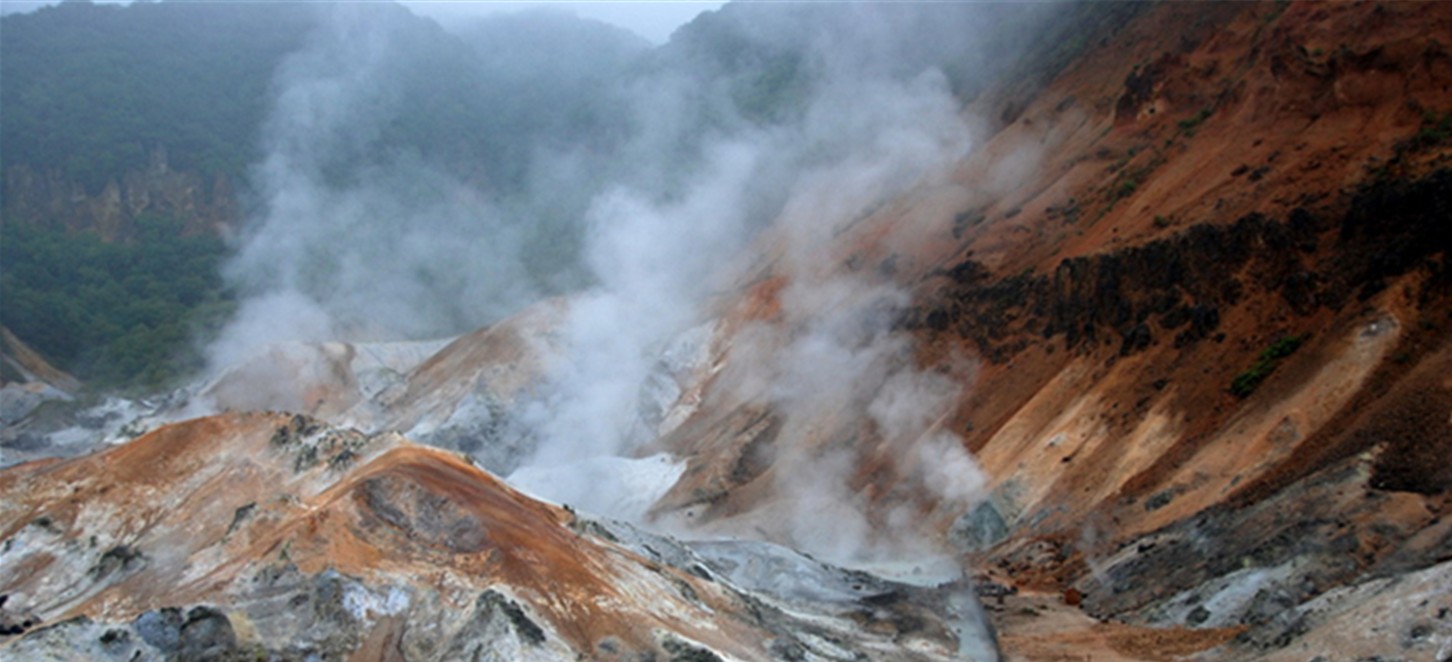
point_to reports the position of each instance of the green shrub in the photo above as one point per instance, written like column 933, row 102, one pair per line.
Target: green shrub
column 1189, row 124
column 1246, row 382
column 1282, row 348
column 1435, row 130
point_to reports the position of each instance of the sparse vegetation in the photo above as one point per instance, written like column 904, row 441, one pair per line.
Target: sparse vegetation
column 1276, row 11
column 966, row 219
column 1126, row 187
column 1193, row 122
column 1068, row 212
column 775, row 92
column 1246, row 382
column 1124, row 160
column 1129, row 180
column 1435, row 130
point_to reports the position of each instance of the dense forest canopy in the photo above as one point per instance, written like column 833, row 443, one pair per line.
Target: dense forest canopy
column 91, row 89
column 122, row 314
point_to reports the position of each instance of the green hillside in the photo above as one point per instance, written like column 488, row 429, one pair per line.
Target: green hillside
column 91, row 89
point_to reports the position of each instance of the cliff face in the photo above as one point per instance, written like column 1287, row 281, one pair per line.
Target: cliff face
column 1187, row 309
column 202, row 204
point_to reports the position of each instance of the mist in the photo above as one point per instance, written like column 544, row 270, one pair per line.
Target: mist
column 864, row 135
column 390, row 207
column 388, row 250
column 641, row 185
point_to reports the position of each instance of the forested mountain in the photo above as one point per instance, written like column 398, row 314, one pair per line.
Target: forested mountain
column 100, row 95
column 120, row 119
column 91, row 89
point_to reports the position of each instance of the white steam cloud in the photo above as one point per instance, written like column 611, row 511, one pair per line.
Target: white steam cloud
column 342, row 251
column 655, row 263
column 403, row 247
column 833, row 356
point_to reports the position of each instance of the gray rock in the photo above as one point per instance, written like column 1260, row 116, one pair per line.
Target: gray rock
column 787, row 575
column 16, row 402
column 978, row 529
column 161, row 629
column 206, row 635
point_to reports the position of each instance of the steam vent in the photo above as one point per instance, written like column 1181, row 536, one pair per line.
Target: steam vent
column 765, row 331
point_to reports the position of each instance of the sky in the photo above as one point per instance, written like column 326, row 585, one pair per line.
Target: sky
column 652, row 19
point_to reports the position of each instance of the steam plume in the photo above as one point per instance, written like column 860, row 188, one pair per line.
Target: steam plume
column 707, row 170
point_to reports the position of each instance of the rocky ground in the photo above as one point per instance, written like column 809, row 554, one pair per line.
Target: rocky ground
column 278, row 536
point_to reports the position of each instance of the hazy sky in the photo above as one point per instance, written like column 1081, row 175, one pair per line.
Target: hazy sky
column 652, row 19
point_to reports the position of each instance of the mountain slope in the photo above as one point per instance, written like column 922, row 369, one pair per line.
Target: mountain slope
column 1163, row 361
column 1200, row 284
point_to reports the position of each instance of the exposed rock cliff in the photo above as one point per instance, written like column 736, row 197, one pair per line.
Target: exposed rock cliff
column 200, row 203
